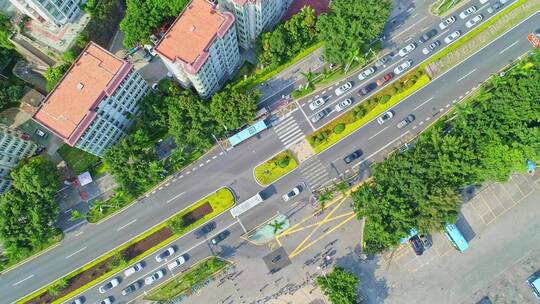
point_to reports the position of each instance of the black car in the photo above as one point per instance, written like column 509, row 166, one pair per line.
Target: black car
column 428, row 35
column 416, row 244
column 426, row 243
column 131, row 288
column 205, row 229
column 220, row 237
column 349, row 158
column 384, row 59
column 365, row 90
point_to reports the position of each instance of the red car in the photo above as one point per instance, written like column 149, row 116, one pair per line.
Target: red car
column 384, row 79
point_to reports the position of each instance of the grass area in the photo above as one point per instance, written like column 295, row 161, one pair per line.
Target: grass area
column 184, row 282
column 274, row 168
column 442, row 6
column 78, row 160
column 6, row 262
column 372, row 110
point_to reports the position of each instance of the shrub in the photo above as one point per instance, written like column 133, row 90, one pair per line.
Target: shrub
column 339, row 128
column 385, row 99
column 284, row 162
column 176, row 224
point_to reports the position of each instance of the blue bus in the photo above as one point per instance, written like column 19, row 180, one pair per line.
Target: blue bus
column 455, row 236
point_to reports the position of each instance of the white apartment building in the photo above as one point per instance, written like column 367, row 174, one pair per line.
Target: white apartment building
column 56, row 12
column 254, row 16
column 14, row 146
column 95, row 102
column 201, row 48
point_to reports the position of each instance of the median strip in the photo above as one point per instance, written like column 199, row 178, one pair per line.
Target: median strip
column 274, row 168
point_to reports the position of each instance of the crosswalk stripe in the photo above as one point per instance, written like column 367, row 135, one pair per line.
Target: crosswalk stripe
column 284, row 123
column 288, row 135
column 311, row 165
column 314, row 175
column 294, row 141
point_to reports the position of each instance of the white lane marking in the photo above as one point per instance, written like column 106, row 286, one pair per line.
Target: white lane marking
column 441, row 109
column 428, row 118
column 324, row 92
column 194, row 169
column 214, row 157
column 454, row 101
column 414, row 127
column 437, row 37
column 413, row 25
column 508, row 47
column 174, row 179
column 28, row 277
column 304, row 104
column 373, row 136
column 423, row 103
column 384, row 147
column 67, row 257
column 188, row 173
column 460, row 97
column 172, row 199
column 448, row 105
column 221, row 153
column 133, row 221
column 167, row 184
column 466, row 76
column 307, row 118
column 79, row 233
column 68, row 211
column 421, row 123
column 407, row 39
column 154, row 192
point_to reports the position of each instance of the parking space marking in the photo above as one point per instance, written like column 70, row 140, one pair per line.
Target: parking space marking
column 513, row 190
column 523, row 184
column 174, row 180
column 507, row 200
column 448, row 105
column 495, row 207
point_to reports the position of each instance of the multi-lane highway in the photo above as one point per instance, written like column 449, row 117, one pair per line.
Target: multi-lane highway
column 234, row 169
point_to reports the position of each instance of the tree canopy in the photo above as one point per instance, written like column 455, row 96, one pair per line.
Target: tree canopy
column 54, row 74
column 339, row 285
column 233, row 107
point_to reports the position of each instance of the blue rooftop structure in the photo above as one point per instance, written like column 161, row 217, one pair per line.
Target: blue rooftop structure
column 247, row 133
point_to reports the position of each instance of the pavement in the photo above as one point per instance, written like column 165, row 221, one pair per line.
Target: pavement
column 234, row 169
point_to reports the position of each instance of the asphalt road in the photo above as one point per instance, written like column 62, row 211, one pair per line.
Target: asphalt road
column 235, row 170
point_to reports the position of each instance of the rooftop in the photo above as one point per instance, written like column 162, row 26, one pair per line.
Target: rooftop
column 79, row 91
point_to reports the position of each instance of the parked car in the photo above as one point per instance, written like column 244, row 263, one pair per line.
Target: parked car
column 294, row 192
column 385, row 117
column 446, row 22
column 318, row 116
column 466, row 13
column 351, row 157
column 384, row 79
column 426, row 242
column 109, row 285
column 133, row 269
column 154, row 277
column 474, row 21
column 428, row 35
column 79, row 300
column 495, row 6
column 416, row 244
column 452, row 37
column 407, row 120
column 402, row 67
column 177, row 262
column 407, row 49
column 384, row 59
column 165, row 254
column 107, row 300
column 365, row 73
column 131, row 288
column 484, row 1
column 534, row 283
column 207, row 228
column 40, row 133
column 365, row 90
column 344, row 88
column 428, row 49
column 343, row 104
column 317, row 103
column 220, row 237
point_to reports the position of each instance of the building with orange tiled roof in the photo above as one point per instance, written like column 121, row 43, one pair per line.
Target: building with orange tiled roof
column 93, row 105
column 201, row 48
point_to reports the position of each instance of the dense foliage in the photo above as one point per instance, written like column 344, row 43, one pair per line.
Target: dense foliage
column 339, row 285
column 5, row 31
column 10, row 90
column 54, row 74
column 490, row 137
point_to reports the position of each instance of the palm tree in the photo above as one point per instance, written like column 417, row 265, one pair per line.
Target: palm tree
column 310, row 77
column 325, row 196
column 277, row 225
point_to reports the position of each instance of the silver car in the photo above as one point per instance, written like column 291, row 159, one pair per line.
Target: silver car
column 133, row 269
column 446, row 22
column 343, row 104
column 110, row 285
column 407, row 120
column 474, row 21
column 154, row 277
column 402, row 67
column 466, row 13
column 318, row 116
column 317, row 103
column 344, row 88
column 365, row 73
column 428, row 49
column 407, row 49
column 452, row 37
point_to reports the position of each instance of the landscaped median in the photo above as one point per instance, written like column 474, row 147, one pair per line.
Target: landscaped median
column 274, row 168
column 186, row 283
column 367, row 110
column 183, row 222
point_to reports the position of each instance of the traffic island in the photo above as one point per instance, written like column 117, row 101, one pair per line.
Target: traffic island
column 274, row 168
column 268, row 230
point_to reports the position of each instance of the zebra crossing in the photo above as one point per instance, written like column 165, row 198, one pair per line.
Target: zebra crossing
column 314, row 172
column 289, row 132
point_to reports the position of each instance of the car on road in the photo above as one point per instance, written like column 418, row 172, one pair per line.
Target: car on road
column 107, row 300
column 446, row 22
column 402, row 67
column 428, row 49
column 79, row 300
column 534, row 283
column 165, row 254
column 416, row 244
column 385, row 117
column 474, row 21
column 428, row 35
column 220, row 237
column 407, row 120
column 365, row 90
column 426, row 242
column 343, row 104
column 466, row 13
column 484, row 1
column 344, row 88
column 294, row 192
column 207, row 228
column 177, row 262
column 133, row 269
column 407, row 49
column 384, row 59
column 351, row 157
column 365, row 73
column 317, row 103
column 381, row 81
column 109, row 285
column 495, row 6
column 131, row 288
column 318, row 116
column 452, row 37
column 154, row 277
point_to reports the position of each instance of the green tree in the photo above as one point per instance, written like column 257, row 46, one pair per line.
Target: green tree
column 10, row 92
column 233, row 107
column 6, row 29
column 36, row 176
column 339, row 285
column 54, row 74
column 310, row 77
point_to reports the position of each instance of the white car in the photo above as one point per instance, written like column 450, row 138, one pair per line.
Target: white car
column 179, row 261
column 294, row 192
column 474, row 21
column 484, row 1
column 466, row 13
column 343, row 104
column 110, row 285
column 165, row 254
column 446, row 22
column 156, row 276
column 133, row 269
column 107, row 300
column 452, row 37
column 78, row 300
column 402, row 67
column 386, row 116
column 428, row 49
column 366, row 73
column 407, row 49
column 344, row 88
column 317, row 103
